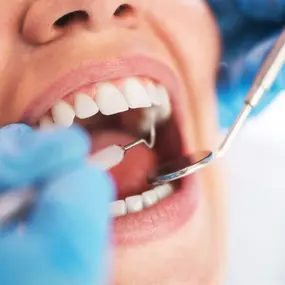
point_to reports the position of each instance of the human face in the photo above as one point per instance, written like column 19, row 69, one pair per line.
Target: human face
column 45, row 58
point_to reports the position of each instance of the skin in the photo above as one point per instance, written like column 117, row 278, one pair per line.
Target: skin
column 181, row 34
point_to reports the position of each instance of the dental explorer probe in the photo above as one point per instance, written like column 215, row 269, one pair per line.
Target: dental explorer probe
column 264, row 80
column 15, row 204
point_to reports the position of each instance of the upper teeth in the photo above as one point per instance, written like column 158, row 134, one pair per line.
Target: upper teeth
column 85, row 106
column 110, row 99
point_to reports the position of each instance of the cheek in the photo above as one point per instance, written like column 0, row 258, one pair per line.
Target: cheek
column 10, row 57
column 191, row 35
column 189, row 28
column 12, row 65
column 9, row 77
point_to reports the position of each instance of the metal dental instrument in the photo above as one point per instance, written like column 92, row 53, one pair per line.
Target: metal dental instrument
column 112, row 155
column 16, row 203
column 264, row 80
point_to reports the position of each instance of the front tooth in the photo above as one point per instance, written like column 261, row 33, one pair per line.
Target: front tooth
column 149, row 198
column 153, row 94
column 85, row 106
column 136, row 94
column 110, row 100
column 63, row 114
column 163, row 191
column 118, row 208
column 134, row 203
column 46, row 122
column 164, row 111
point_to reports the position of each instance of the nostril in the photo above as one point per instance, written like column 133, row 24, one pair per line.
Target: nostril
column 75, row 16
column 124, row 10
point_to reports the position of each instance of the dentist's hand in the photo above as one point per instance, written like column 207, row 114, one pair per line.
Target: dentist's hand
column 65, row 238
column 249, row 30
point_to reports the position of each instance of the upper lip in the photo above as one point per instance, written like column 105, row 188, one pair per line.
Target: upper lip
column 98, row 71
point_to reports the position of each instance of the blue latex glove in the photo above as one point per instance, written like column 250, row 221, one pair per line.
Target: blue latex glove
column 65, row 237
column 249, row 29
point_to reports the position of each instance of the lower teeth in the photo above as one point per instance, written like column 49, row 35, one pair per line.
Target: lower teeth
column 139, row 202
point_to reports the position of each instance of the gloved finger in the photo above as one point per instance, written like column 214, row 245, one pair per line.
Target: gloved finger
column 236, row 80
column 37, row 155
column 11, row 133
column 267, row 10
column 67, row 237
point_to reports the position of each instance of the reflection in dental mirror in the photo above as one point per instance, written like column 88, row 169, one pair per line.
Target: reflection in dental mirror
column 180, row 167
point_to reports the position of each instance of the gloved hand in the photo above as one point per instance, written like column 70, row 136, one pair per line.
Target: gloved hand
column 65, row 237
column 249, row 29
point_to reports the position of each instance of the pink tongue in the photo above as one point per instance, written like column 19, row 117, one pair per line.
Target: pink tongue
column 131, row 175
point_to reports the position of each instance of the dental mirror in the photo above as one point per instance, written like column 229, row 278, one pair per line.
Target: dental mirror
column 180, row 167
column 187, row 165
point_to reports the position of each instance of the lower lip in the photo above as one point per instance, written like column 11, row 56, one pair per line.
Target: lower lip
column 160, row 220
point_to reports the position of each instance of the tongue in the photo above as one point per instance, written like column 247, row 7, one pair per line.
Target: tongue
column 130, row 176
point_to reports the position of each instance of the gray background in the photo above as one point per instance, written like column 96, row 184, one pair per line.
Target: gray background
column 256, row 179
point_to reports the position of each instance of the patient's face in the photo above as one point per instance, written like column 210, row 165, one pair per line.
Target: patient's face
column 108, row 65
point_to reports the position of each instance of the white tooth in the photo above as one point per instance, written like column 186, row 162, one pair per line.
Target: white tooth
column 134, row 203
column 85, row 106
column 164, row 111
column 118, row 208
column 149, row 198
column 135, row 94
column 153, row 94
column 46, row 122
column 163, row 191
column 110, row 100
column 63, row 114
column 147, row 119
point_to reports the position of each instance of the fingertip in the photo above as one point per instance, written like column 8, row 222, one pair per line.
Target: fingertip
column 14, row 132
column 59, row 150
column 68, row 136
column 28, row 157
column 20, row 128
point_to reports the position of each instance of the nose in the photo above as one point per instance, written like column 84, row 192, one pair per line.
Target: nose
column 49, row 20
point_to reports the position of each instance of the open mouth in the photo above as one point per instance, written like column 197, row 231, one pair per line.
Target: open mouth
column 118, row 111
